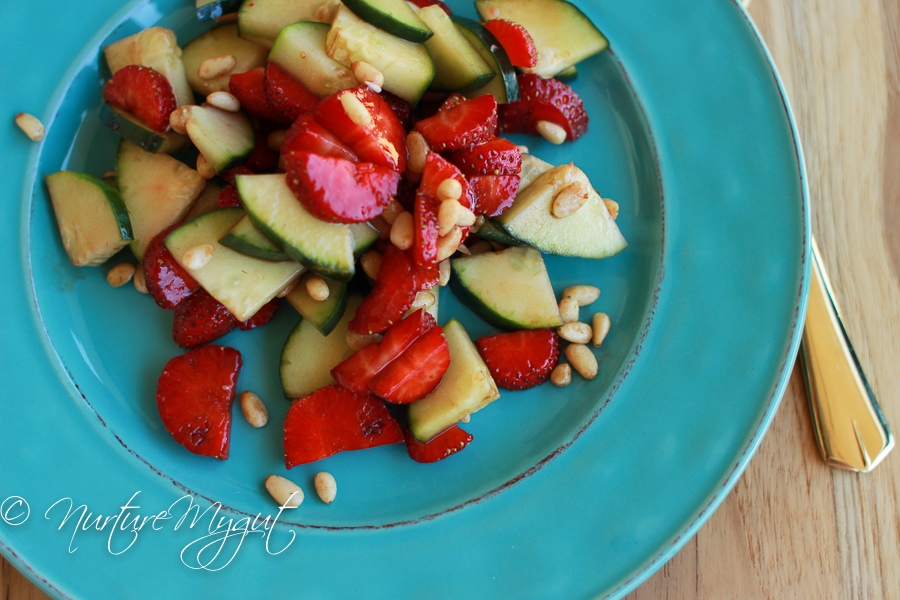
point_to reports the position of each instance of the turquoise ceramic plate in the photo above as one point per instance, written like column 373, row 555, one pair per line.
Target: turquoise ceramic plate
column 571, row 493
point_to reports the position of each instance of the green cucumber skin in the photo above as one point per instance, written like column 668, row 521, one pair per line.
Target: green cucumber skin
column 458, row 65
column 505, row 85
column 250, row 248
column 478, row 307
column 393, row 24
column 323, row 315
column 147, row 139
column 208, row 10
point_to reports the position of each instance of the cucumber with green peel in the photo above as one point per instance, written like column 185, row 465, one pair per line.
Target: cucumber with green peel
column 458, row 66
column 207, row 201
column 208, row 10
column 299, row 49
column 394, row 16
column 510, row 289
column 242, row 283
column 466, row 387
column 220, row 41
column 504, row 86
column 92, row 219
column 260, row 21
column 129, row 128
column 224, row 138
column 158, row 190
column 157, row 48
column 364, row 237
column 532, row 168
column 324, row 315
column 246, row 238
column 489, row 230
column 325, row 248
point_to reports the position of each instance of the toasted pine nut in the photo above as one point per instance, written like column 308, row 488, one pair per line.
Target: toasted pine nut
column 30, row 126
column 466, row 217
column 465, row 418
column 601, row 326
column 216, row 66
column 423, row 299
column 402, row 233
column 177, row 119
column 448, row 214
column 583, row 294
column 275, row 139
column 492, row 12
column 205, row 168
column 551, row 132
column 198, row 256
column 575, row 332
column 120, row 274
column 449, row 189
column 140, row 282
column 325, row 13
column 326, row 486
column 355, row 109
column 561, row 375
column 393, row 209
column 480, row 247
column 477, row 225
column 582, row 360
column 569, row 199
column 613, row 207
column 443, row 272
column 370, row 263
column 224, row 100
column 357, row 340
column 254, row 409
column 568, row 309
column 447, row 244
column 464, row 250
column 317, row 288
column 417, row 148
column 284, row 491
column 368, row 75
column 383, row 227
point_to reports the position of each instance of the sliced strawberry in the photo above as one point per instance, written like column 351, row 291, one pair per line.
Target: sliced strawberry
column 424, row 3
column 437, row 169
column 167, row 281
column 288, row 97
column 228, row 197
column 200, row 319
column 333, row 419
column 522, row 359
column 544, row 100
column 194, row 396
column 355, row 372
column 262, row 316
column 497, row 156
column 143, row 92
column 400, row 107
column 249, row 88
column 262, row 158
column 338, row 190
column 425, row 229
column 395, row 289
column 307, row 135
column 493, row 193
column 230, row 175
column 446, row 443
column 516, row 40
column 466, row 124
column 416, row 372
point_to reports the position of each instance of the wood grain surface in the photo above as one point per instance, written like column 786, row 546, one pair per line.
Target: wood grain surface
column 792, row 527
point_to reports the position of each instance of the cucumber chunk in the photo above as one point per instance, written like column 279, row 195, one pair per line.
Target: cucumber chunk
column 299, row 49
column 246, row 238
column 394, row 16
column 93, row 221
column 220, row 41
column 324, row 315
column 458, row 67
column 157, row 48
column 129, row 128
column 224, row 138
column 261, row 20
column 504, row 86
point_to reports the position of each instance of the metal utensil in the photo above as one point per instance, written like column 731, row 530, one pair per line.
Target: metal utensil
column 850, row 428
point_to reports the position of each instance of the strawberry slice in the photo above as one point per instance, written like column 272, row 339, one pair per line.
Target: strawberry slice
column 425, row 229
column 424, row 3
column 262, row 158
column 395, row 289
column 401, row 108
column 497, row 156
column 544, row 100
column 467, row 123
column 493, row 193
column 287, row 97
column 516, row 40
column 338, row 190
column 307, row 135
column 416, row 372
column 522, row 359
column 194, row 395
column 228, row 197
column 437, row 169
column 167, row 281
column 356, row 371
column 446, row 443
column 144, row 92
column 262, row 316
column 200, row 319
column 249, row 88
column 333, row 419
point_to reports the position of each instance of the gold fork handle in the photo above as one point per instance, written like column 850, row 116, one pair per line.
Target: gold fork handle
column 850, row 428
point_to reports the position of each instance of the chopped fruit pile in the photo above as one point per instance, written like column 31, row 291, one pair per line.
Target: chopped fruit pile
column 351, row 169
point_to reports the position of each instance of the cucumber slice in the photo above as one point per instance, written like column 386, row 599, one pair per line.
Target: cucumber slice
column 299, row 49
column 157, row 189
column 466, row 387
column 504, row 86
column 532, row 168
column 242, row 283
column 322, row 314
column 129, row 128
column 458, row 67
column 308, row 356
column 510, row 289
column 364, row 237
column 220, row 41
column 207, row 10
column 224, row 138
column 326, row 248
column 394, row 16
column 407, row 67
column 562, row 33
column 246, row 238
column 261, row 20
column 93, row 221
column 157, row 48
column 491, row 231
column 590, row 232
column 207, row 201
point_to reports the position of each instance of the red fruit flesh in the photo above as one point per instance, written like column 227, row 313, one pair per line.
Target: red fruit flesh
column 416, row 372
column 445, row 444
column 437, row 169
column 466, row 124
column 395, row 289
column 167, row 281
column 522, row 359
column 425, row 229
column 497, row 156
column 493, row 193
column 228, row 197
column 200, row 319
column 516, row 40
column 307, row 135
column 286, row 96
column 194, row 396
column 544, row 100
column 262, row 316
column 143, row 92
column 249, row 88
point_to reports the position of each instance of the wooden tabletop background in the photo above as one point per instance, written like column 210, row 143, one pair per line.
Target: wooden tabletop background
column 792, row 527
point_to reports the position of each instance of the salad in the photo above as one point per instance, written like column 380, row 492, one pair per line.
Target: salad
column 349, row 160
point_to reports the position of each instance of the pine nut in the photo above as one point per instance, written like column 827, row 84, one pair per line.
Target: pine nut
column 225, row 101
column 254, row 409
column 402, row 233
column 466, row 217
column 568, row 309
column 449, row 189
column 569, row 199
column 522, row 149
column 284, row 491
column 418, row 149
column 205, row 168
column 120, row 274
column 464, row 250
column 198, row 256
column 355, row 341
column 423, row 299
column 383, row 227
column 177, row 120
column 326, row 486
column 275, row 139
column 443, row 272
column 582, row 360
column 561, row 375
column 355, row 109
column 370, row 263
column 492, row 12
column 214, row 67
column 583, row 294
column 601, row 326
column 325, row 13
column 368, row 75
column 478, row 224
column 390, row 213
column 140, row 281
column 30, row 126
column 575, row 332
column 465, row 418
column 317, row 288
column 613, row 207
column 447, row 245
column 551, row 132
column 448, row 214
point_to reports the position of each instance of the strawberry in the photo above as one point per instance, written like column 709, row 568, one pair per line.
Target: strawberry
column 356, row 371
column 497, row 156
column 338, row 190
column 448, row 442
column 493, row 193
column 230, row 175
column 249, row 88
column 228, row 197
column 516, row 40
column 194, row 396
column 425, row 229
column 262, row 158
column 400, row 107
column 467, row 123
column 143, row 92
column 522, row 359
column 307, row 135
column 168, row 283
column 333, row 419
column 437, row 169
column 544, row 100
column 424, row 3
column 416, row 372
column 287, row 97
column 262, row 316
column 200, row 319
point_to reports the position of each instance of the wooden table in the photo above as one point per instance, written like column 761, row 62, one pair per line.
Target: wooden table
column 792, row 527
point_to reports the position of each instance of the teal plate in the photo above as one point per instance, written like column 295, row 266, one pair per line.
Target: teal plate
column 565, row 493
